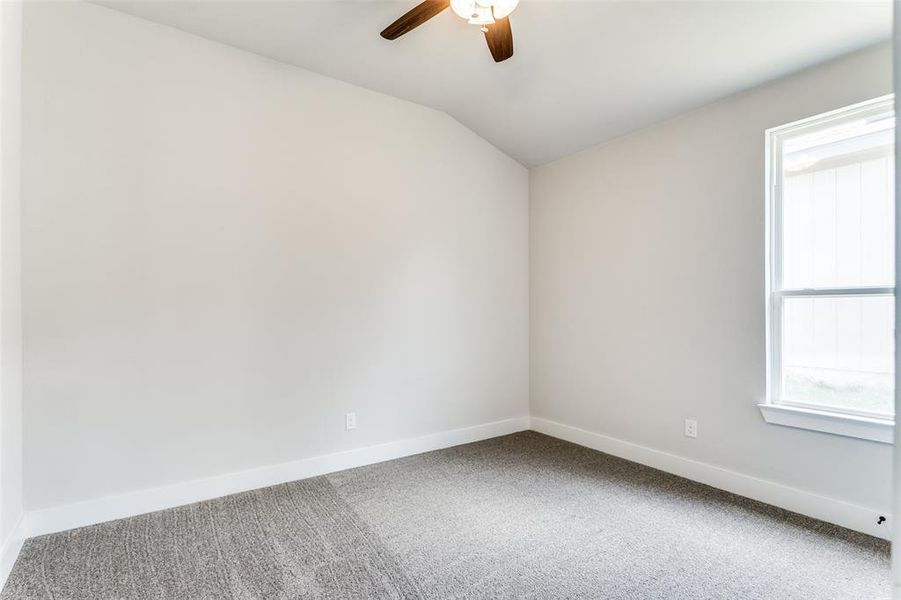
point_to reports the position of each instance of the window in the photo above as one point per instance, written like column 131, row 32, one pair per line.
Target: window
column 831, row 272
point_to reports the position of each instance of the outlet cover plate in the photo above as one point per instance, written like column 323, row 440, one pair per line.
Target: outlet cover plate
column 691, row 428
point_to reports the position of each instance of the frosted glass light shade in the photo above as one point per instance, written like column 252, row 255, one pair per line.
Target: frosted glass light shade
column 483, row 12
column 464, row 8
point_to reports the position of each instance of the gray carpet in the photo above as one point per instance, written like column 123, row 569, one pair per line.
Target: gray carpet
column 521, row 516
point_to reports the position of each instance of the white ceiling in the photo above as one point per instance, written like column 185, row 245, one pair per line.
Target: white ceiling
column 583, row 72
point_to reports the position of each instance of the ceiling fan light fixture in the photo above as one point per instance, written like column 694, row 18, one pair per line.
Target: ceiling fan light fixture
column 481, row 16
column 483, row 12
column 489, row 15
column 463, row 8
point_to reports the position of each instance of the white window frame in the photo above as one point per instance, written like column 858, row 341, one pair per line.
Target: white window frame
column 775, row 410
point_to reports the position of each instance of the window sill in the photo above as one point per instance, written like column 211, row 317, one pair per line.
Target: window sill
column 876, row 430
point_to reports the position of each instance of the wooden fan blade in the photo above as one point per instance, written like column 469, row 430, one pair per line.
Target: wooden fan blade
column 414, row 18
column 500, row 39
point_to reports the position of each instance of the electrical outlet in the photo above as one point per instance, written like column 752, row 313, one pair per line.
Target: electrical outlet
column 691, row 428
column 350, row 421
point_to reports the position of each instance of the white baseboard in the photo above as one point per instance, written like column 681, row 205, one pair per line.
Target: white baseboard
column 70, row 516
column 9, row 551
column 831, row 510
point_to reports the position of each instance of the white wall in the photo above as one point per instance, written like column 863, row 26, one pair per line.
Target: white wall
column 11, row 485
column 224, row 254
column 647, row 289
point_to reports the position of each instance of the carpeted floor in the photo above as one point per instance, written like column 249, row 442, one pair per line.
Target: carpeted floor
column 521, row 516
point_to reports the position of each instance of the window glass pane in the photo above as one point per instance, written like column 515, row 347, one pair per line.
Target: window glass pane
column 838, row 206
column 838, row 352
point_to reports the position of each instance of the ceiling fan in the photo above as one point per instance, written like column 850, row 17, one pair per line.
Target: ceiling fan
column 492, row 17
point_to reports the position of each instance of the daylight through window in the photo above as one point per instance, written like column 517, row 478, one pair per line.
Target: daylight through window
column 831, row 263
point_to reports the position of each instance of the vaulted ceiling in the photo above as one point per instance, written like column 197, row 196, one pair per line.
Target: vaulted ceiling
column 583, row 72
